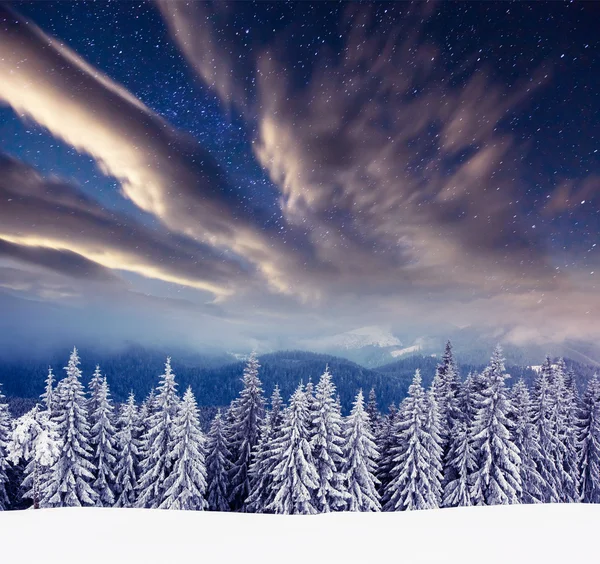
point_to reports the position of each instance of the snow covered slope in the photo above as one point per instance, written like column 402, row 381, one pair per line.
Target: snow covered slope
column 527, row 534
column 371, row 336
column 368, row 346
column 407, row 350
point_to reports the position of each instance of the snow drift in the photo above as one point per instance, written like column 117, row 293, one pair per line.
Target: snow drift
column 521, row 533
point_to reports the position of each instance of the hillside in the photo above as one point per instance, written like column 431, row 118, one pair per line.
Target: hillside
column 215, row 379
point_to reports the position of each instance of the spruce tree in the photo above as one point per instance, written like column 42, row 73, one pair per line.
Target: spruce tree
column 5, row 428
column 311, row 402
column 157, row 442
column 373, row 411
column 446, row 387
column 469, row 397
column 526, row 439
column 128, row 460
column 571, row 385
column 327, row 443
column 497, row 479
column 446, row 390
column 103, row 441
column 58, row 399
column 360, row 460
column 264, row 457
column 147, row 409
column 565, row 407
column 46, row 397
column 457, row 465
column 70, row 479
column 295, row 478
column 35, row 441
column 544, row 419
column 461, row 463
column 388, row 447
column 589, row 443
column 433, row 443
column 247, row 415
column 185, row 486
column 94, row 386
column 411, row 486
column 217, row 465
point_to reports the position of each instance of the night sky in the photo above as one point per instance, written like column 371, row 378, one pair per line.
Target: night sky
column 258, row 174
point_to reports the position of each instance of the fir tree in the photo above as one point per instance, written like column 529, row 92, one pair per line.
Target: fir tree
column 147, row 409
column 373, row 411
column 229, row 420
column 128, row 444
column 46, row 397
column 469, row 397
column 446, row 387
column 543, row 402
column 457, row 464
column 217, row 465
column 34, row 440
column 295, row 478
column 264, row 458
column 565, row 406
column 461, row 461
column 185, row 486
column 338, row 403
column 311, row 402
column 94, row 386
column 5, row 425
column 103, row 441
column 360, row 459
column 71, row 476
column 589, row 443
column 497, row 479
column 526, row 439
column 245, row 432
column 571, row 386
column 157, row 442
column 434, row 445
column 411, row 486
column 388, row 447
column 327, row 443
column 58, row 399
column 446, row 390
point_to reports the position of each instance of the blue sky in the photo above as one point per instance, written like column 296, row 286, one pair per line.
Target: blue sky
column 270, row 172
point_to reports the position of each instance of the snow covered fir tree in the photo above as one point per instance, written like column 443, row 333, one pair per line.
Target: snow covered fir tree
column 479, row 440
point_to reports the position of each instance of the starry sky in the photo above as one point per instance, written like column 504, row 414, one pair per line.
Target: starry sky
column 259, row 174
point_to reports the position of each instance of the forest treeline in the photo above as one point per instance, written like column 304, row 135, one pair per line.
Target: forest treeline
column 456, row 442
column 215, row 379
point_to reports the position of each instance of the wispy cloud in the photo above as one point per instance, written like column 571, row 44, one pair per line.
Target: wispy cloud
column 52, row 223
column 399, row 189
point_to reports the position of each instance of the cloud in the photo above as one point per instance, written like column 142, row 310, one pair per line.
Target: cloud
column 418, row 175
column 58, row 260
column 400, row 171
column 163, row 171
column 51, row 223
column 400, row 194
column 570, row 194
column 204, row 52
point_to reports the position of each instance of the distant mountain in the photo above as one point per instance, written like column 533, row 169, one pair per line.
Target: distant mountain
column 216, row 379
column 358, row 338
column 369, row 346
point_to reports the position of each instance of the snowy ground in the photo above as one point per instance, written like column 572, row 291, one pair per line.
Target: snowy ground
column 536, row 534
